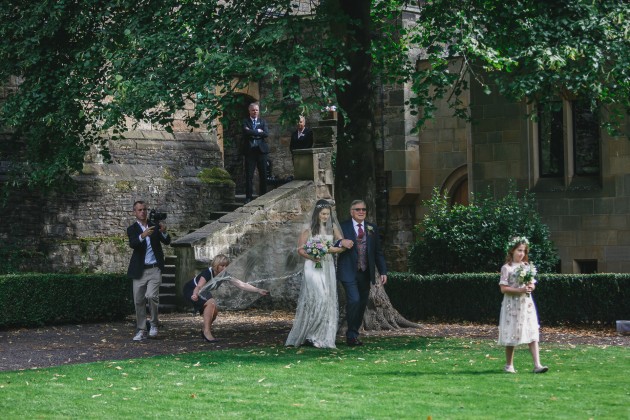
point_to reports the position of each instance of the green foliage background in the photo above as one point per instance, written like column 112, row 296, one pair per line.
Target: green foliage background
column 85, row 68
column 459, row 239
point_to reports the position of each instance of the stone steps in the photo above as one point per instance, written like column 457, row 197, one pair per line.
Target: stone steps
column 226, row 208
column 168, row 297
column 168, row 294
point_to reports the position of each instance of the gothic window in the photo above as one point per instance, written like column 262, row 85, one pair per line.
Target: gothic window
column 568, row 130
column 551, row 140
column 586, row 140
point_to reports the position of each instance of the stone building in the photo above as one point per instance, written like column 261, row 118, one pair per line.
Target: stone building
column 579, row 174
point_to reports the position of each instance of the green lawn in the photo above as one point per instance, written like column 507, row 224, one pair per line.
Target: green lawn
column 390, row 378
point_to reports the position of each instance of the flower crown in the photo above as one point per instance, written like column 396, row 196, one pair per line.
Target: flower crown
column 323, row 206
column 515, row 241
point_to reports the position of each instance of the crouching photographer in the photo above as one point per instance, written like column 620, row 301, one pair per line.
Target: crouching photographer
column 146, row 237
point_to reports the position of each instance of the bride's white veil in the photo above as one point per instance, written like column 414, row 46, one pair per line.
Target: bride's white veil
column 315, row 226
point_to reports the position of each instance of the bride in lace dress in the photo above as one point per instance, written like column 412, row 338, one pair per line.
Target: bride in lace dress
column 317, row 314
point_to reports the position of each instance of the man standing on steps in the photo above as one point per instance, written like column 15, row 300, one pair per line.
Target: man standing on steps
column 302, row 137
column 255, row 149
column 145, row 268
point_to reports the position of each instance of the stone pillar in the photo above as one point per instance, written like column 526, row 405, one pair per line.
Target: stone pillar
column 186, row 269
column 315, row 165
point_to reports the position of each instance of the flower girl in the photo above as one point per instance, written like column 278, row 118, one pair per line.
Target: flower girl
column 518, row 323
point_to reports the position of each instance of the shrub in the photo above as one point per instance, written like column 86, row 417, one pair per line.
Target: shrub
column 45, row 299
column 457, row 239
column 560, row 298
column 216, row 176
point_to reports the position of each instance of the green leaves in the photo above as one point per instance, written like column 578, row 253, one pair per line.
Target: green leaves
column 457, row 239
column 529, row 50
column 116, row 60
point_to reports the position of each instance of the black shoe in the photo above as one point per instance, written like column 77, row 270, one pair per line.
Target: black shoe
column 354, row 342
column 308, row 343
column 247, row 200
column 214, row 340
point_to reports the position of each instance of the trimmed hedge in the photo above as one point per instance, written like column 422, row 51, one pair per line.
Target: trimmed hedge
column 560, row 298
column 29, row 300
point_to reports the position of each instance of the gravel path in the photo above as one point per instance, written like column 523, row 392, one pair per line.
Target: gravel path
column 180, row 333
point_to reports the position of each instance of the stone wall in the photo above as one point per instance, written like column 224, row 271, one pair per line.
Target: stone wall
column 84, row 230
column 588, row 217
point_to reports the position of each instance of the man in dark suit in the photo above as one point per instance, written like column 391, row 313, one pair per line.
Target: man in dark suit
column 356, row 268
column 255, row 149
column 302, row 138
column 145, row 268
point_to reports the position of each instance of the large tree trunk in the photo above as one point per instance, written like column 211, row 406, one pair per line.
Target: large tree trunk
column 381, row 315
column 355, row 175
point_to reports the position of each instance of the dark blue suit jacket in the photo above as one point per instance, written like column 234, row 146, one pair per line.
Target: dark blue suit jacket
column 249, row 134
column 136, row 264
column 348, row 260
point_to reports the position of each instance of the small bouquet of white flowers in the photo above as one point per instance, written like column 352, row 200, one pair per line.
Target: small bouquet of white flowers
column 317, row 247
column 526, row 275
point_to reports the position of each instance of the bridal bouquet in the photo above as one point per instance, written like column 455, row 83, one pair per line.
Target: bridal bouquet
column 316, row 247
column 526, row 275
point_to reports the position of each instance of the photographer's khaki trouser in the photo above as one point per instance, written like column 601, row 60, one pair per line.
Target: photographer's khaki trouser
column 147, row 287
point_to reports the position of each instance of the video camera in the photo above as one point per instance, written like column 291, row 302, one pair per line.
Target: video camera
column 155, row 217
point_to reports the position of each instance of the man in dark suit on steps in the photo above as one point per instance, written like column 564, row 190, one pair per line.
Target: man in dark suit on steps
column 145, row 268
column 302, row 138
column 255, row 149
column 356, row 268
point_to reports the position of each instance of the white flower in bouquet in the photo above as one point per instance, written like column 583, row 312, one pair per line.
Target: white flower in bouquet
column 526, row 275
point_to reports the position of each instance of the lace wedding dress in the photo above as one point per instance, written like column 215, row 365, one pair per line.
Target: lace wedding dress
column 317, row 313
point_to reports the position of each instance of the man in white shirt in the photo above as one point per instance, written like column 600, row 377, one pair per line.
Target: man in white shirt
column 145, row 268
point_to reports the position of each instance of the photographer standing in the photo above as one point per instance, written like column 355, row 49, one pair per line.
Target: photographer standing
column 145, row 267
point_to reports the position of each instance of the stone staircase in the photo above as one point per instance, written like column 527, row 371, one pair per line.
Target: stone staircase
column 226, row 208
column 167, row 289
column 168, row 295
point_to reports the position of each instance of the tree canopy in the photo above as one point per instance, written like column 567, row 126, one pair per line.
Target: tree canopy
column 87, row 67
